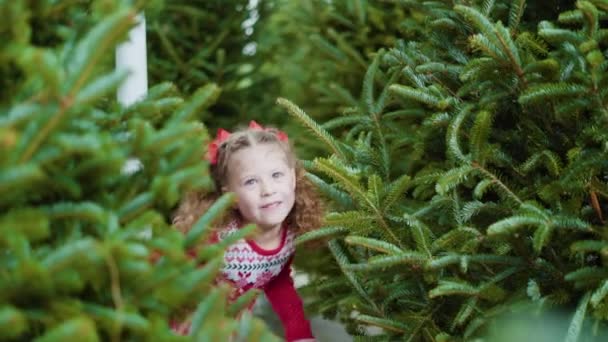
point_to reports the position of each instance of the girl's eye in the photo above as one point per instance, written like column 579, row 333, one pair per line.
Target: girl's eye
column 250, row 181
column 277, row 175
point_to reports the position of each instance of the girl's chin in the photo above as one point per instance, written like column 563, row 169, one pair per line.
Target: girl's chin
column 270, row 224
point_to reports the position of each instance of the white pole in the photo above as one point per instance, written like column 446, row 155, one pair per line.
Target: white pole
column 131, row 55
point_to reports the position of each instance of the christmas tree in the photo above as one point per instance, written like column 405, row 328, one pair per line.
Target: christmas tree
column 204, row 41
column 86, row 246
column 468, row 178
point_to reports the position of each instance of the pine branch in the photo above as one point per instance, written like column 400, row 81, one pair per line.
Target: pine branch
column 516, row 12
column 321, row 133
column 355, row 189
column 321, row 233
column 343, row 262
column 374, row 244
column 576, row 324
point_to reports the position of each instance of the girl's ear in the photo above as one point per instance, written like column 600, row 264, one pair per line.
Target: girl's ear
column 293, row 177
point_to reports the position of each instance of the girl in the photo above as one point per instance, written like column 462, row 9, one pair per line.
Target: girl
column 258, row 164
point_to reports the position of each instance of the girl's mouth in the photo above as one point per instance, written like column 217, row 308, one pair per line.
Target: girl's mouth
column 271, row 205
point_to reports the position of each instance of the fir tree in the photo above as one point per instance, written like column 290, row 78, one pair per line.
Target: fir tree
column 470, row 173
column 198, row 42
column 78, row 230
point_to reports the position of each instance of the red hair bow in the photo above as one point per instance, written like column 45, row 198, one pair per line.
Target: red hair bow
column 223, row 134
column 220, row 137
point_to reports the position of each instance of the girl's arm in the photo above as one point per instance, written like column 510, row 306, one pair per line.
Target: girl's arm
column 286, row 302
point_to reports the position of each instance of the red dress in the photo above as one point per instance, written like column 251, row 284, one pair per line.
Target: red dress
column 247, row 266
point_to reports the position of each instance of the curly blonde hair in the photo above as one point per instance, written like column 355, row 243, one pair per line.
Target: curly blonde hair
column 307, row 212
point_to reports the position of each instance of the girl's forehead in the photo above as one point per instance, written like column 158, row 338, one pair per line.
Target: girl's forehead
column 259, row 155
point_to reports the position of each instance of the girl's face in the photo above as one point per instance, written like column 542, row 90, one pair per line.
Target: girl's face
column 264, row 184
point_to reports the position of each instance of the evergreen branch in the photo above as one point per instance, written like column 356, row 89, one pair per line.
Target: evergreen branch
column 591, row 17
column 423, row 96
column 550, row 160
column 499, row 277
column 381, row 262
column 321, row 133
column 453, row 178
column 353, row 219
column 94, row 46
column 396, row 188
column 563, row 221
column 367, row 92
column 243, row 301
column 116, row 293
column 374, row 189
column 465, row 312
column 497, row 181
column 558, row 36
column 204, row 309
column 512, row 224
column 169, row 48
column 417, row 79
column 343, row 263
column 378, row 245
column 203, row 98
column 346, row 181
column 321, row 233
column 511, row 51
column 88, row 211
column 549, row 66
column 202, row 227
column 79, row 250
column 472, row 208
column 534, row 208
column 88, row 52
column 384, row 95
column 541, row 237
column 479, row 136
column 414, row 332
column 355, row 189
column 383, row 323
column 599, row 294
column 328, row 48
column 46, row 131
column 482, row 187
column 343, row 94
column 400, row 291
column 339, row 197
column 588, row 246
column 450, row 287
column 421, row 233
column 487, row 7
column 588, row 273
column 453, row 259
column 341, row 121
column 481, row 22
column 131, row 321
column 100, row 87
column 516, row 12
column 543, row 93
column 576, row 324
column 454, row 149
column 347, row 48
column 375, row 115
column 455, row 237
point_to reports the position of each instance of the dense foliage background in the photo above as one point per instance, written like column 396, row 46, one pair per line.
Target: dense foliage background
column 461, row 146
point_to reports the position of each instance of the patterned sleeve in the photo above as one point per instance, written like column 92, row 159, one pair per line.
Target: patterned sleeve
column 286, row 302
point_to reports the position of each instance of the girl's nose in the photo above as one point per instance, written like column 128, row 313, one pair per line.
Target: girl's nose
column 266, row 188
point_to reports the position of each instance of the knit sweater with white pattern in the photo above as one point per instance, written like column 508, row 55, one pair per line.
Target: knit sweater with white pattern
column 247, row 266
